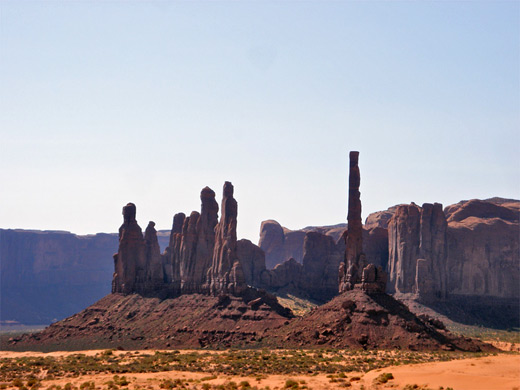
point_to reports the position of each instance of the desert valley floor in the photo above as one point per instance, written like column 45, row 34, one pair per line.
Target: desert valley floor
column 260, row 369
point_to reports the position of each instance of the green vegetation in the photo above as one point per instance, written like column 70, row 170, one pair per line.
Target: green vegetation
column 486, row 334
column 384, row 377
column 22, row 371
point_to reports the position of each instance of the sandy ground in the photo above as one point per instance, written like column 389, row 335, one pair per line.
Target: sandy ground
column 501, row 372
column 486, row 373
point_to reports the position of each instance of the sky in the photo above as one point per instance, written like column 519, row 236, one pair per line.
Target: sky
column 105, row 103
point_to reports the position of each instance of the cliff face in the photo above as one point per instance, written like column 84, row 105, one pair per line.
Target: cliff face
column 417, row 250
column 47, row 276
column 281, row 244
column 315, row 278
column 483, row 249
column 321, row 259
column 471, row 248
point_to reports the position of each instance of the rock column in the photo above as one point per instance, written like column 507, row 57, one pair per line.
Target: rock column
column 130, row 259
column 226, row 274
column 351, row 269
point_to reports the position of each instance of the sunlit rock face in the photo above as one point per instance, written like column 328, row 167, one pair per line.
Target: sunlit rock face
column 471, row 248
column 418, row 250
column 483, row 248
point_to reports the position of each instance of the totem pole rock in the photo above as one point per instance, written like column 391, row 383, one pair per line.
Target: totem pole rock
column 350, row 271
column 354, row 271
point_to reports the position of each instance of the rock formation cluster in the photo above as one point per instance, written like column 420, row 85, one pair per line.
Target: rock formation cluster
column 468, row 250
column 201, row 257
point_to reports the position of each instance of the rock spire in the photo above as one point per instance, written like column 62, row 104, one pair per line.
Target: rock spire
column 137, row 264
column 226, row 274
column 354, row 272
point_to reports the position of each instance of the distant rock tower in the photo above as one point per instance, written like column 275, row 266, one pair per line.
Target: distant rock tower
column 354, row 272
column 137, row 264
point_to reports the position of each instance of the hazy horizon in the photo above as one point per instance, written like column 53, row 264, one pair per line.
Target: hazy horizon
column 105, row 103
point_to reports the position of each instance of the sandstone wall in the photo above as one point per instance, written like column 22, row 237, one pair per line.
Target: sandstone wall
column 472, row 249
column 417, row 250
column 483, row 249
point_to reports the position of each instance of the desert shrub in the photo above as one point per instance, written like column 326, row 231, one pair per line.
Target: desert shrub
column 291, row 384
column 111, row 385
column 167, row 384
column 87, row 386
column 384, row 377
column 208, row 378
column 120, row 381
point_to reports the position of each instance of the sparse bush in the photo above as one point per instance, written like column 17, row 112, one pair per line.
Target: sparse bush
column 87, row 386
column 384, row 377
column 120, row 381
column 291, row 384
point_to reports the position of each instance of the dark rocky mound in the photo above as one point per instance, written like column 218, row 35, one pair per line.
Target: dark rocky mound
column 135, row 322
column 356, row 319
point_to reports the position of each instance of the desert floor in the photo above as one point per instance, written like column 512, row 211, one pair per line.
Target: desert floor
column 491, row 372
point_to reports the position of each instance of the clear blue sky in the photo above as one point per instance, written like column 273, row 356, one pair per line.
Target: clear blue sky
column 103, row 103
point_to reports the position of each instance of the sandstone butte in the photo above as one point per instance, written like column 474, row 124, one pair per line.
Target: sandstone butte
column 196, row 294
